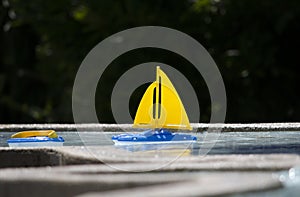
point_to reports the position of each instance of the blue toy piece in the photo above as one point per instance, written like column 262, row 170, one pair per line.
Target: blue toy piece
column 35, row 141
column 156, row 136
column 35, row 138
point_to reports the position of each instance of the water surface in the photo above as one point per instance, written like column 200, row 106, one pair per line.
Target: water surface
column 226, row 143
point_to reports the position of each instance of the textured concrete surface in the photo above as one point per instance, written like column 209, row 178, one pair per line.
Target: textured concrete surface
column 31, row 157
column 59, row 181
column 209, row 175
column 118, row 127
column 115, row 157
column 216, row 184
column 37, row 182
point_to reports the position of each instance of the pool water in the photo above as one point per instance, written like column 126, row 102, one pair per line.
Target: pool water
column 225, row 143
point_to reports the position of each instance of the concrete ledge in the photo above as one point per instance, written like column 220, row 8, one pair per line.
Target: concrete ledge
column 47, row 182
column 215, row 184
column 34, row 157
column 36, row 182
column 110, row 175
column 117, row 127
column 28, row 157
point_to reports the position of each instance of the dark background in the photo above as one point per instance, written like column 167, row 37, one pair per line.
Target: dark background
column 255, row 44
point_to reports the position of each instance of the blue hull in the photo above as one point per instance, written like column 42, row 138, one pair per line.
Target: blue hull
column 161, row 136
column 35, row 141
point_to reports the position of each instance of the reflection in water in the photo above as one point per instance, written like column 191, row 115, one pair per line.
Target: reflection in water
column 166, row 149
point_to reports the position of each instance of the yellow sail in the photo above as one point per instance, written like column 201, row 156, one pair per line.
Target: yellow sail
column 161, row 106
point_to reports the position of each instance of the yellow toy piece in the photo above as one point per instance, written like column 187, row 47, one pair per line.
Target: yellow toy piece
column 35, row 133
column 161, row 106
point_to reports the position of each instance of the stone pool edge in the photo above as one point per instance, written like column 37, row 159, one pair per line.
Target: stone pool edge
column 224, row 127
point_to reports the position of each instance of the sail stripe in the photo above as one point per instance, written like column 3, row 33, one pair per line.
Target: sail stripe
column 154, row 103
column 159, row 98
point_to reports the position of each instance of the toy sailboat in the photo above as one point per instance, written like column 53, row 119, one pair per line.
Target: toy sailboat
column 36, row 138
column 159, row 110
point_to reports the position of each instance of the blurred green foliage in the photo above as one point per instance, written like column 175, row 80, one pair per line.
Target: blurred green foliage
column 254, row 43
